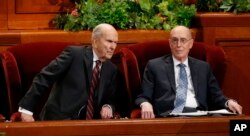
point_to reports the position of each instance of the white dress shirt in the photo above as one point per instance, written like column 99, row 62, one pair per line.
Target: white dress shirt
column 191, row 100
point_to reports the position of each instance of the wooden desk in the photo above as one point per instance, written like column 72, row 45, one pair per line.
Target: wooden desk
column 195, row 126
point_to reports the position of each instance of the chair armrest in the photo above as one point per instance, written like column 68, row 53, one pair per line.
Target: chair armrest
column 136, row 113
column 15, row 117
column 12, row 77
column 216, row 57
column 2, row 118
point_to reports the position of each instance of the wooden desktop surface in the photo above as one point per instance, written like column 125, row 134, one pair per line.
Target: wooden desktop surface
column 184, row 126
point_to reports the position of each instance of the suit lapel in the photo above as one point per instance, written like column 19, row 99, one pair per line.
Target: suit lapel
column 88, row 60
column 193, row 71
column 170, row 71
column 103, row 77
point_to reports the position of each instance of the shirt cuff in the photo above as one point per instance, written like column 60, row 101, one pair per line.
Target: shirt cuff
column 20, row 109
column 143, row 103
column 107, row 105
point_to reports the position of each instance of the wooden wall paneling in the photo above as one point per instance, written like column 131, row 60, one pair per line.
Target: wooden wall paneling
column 236, row 43
column 209, row 34
column 40, row 6
column 31, row 15
column 221, row 19
column 219, row 25
column 237, row 76
column 231, row 31
column 3, row 14
column 82, row 37
column 8, row 39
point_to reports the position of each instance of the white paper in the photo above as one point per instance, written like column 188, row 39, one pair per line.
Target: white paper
column 203, row 113
column 222, row 111
column 198, row 113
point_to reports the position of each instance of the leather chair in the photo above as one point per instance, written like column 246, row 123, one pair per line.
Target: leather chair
column 20, row 64
column 2, row 118
column 135, row 57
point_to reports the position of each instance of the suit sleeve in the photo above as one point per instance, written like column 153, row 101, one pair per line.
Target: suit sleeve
column 215, row 96
column 47, row 76
column 147, row 86
column 112, row 89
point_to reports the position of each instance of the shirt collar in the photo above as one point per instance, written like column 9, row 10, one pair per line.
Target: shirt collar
column 177, row 62
column 95, row 57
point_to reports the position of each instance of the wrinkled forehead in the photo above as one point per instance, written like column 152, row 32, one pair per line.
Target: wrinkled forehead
column 181, row 33
column 110, row 34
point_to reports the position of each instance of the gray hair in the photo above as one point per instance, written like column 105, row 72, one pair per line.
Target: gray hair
column 98, row 30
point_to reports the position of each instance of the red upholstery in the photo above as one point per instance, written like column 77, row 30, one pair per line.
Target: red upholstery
column 135, row 57
column 21, row 63
column 2, row 118
column 129, row 60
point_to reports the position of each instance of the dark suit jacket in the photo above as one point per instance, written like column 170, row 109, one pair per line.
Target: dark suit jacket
column 70, row 74
column 159, row 87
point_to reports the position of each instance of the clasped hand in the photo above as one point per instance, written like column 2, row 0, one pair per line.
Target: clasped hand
column 147, row 111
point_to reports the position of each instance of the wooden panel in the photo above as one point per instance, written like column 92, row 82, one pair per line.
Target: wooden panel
column 84, row 37
column 20, row 17
column 236, row 84
column 3, row 14
column 213, row 35
column 40, row 6
column 9, row 38
column 222, row 19
column 230, row 31
column 160, row 127
column 223, row 26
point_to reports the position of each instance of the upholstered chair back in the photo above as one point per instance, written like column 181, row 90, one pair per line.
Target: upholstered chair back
column 21, row 63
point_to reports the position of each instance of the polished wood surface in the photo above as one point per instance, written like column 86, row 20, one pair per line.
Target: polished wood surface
column 40, row 6
column 20, row 14
column 15, row 37
column 189, row 126
column 26, row 21
column 220, row 27
column 3, row 14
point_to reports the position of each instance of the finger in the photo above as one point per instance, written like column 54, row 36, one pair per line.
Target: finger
column 106, row 115
column 146, row 115
column 239, row 109
column 152, row 115
column 143, row 114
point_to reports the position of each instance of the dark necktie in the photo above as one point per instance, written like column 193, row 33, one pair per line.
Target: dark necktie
column 181, row 92
column 94, row 83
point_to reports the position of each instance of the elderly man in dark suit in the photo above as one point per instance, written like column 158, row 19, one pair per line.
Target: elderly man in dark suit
column 72, row 79
column 178, row 83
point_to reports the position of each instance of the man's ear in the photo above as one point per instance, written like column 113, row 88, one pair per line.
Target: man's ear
column 191, row 43
column 93, row 41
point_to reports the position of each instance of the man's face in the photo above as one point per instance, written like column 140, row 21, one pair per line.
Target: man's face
column 105, row 45
column 180, row 43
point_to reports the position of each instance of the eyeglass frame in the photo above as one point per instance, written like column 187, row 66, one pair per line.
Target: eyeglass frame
column 182, row 41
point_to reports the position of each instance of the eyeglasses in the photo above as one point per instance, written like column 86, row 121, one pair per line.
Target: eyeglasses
column 182, row 41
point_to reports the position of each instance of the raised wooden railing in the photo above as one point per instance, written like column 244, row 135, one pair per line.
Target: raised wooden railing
column 195, row 126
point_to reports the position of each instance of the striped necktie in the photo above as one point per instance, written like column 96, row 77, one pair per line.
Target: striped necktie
column 94, row 83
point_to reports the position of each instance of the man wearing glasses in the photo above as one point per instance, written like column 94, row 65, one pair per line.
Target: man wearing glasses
column 178, row 83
